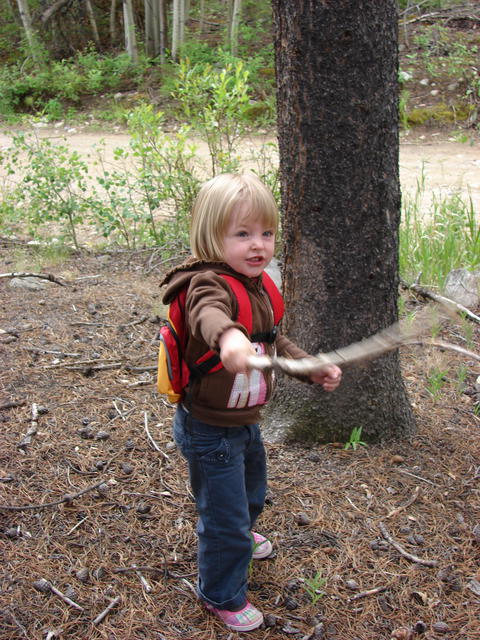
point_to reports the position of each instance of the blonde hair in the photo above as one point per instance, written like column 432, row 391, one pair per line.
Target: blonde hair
column 214, row 205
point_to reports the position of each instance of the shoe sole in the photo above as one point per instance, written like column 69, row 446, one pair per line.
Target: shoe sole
column 234, row 627
column 249, row 627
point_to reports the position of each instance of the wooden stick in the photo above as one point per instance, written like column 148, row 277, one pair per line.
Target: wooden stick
column 25, row 274
column 451, row 304
column 82, row 363
column 413, row 475
column 106, row 611
column 145, row 584
column 63, row 354
column 401, row 550
column 406, row 504
column 69, row 497
column 367, row 349
column 154, row 444
column 33, row 429
column 45, row 587
column 135, row 567
column 365, row 594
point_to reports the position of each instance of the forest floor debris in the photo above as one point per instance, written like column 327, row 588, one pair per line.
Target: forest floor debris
column 100, row 511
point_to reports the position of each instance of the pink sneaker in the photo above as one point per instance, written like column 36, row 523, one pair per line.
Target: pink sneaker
column 262, row 547
column 246, row 619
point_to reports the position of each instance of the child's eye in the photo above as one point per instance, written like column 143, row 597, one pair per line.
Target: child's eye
column 242, row 234
column 268, row 233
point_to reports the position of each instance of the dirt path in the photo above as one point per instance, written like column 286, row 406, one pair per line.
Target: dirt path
column 447, row 166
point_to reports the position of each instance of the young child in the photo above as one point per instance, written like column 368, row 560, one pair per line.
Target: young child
column 233, row 227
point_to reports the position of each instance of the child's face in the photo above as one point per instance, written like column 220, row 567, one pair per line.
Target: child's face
column 248, row 245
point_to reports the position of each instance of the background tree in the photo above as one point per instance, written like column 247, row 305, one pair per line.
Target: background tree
column 234, row 25
column 180, row 12
column 129, row 29
column 155, row 28
column 336, row 65
column 26, row 19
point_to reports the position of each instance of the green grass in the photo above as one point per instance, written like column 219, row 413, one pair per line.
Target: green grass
column 437, row 240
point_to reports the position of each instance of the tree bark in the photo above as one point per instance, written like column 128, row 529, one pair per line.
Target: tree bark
column 235, row 22
column 201, row 21
column 129, row 27
column 52, row 10
column 113, row 28
column 93, row 23
column 163, row 27
column 176, row 27
column 336, row 64
column 26, row 19
column 151, row 28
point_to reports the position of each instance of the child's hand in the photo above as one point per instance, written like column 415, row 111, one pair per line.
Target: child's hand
column 235, row 348
column 329, row 377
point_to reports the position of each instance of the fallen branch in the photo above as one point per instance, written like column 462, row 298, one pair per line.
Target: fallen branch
column 134, row 322
column 365, row 594
column 413, row 475
column 449, row 346
column 401, row 550
column 67, row 498
column 134, row 567
column 26, row 274
column 442, row 15
column 47, row 587
column 145, row 585
column 82, row 364
column 406, row 504
column 32, row 431
column 81, row 323
column 451, row 304
column 61, row 354
column 106, row 611
column 100, row 365
column 154, row 444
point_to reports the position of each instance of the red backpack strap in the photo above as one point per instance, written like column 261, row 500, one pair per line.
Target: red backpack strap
column 210, row 361
column 243, row 302
column 275, row 296
column 176, row 312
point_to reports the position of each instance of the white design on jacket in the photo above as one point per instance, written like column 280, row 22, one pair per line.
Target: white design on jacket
column 249, row 390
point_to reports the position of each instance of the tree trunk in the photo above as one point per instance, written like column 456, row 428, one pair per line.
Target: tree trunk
column 176, row 27
column 93, row 23
column 163, row 27
column 150, row 27
column 113, row 28
column 201, row 25
column 26, row 19
column 336, row 64
column 130, row 35
column 236, row 13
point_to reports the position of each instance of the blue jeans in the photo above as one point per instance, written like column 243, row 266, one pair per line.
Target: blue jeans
column 228, row 476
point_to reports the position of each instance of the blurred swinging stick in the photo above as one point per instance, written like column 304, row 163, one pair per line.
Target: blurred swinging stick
column 397, row 335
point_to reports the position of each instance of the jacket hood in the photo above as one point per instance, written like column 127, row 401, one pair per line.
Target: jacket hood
column 178, row 277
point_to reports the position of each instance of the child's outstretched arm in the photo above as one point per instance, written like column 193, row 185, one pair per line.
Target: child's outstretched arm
column 235, row 350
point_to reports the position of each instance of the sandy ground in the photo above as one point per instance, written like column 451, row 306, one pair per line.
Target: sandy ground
column 445, row 165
